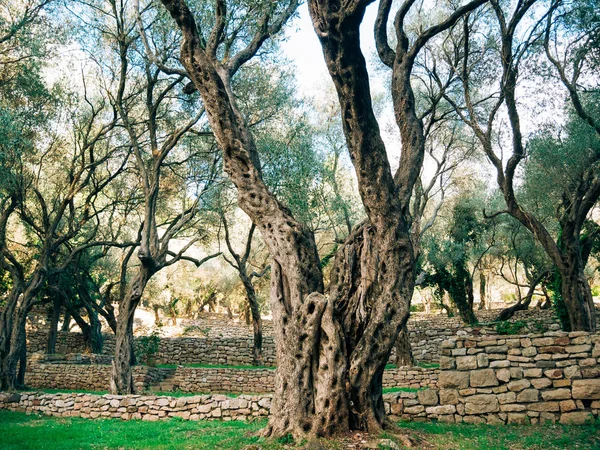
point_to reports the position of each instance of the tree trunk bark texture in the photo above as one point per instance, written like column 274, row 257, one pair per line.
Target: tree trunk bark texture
column 121, row 380
column 53, row 331
column 576, row 292
column 482, row 290
column 331, row 352
column 404, row 354
column 257, row 356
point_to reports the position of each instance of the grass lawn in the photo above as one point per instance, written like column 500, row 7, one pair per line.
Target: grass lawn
column 22, row 432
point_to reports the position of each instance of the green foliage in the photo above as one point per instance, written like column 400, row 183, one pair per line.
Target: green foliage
column 507, row 327
column 420, row 307
column 147, row 348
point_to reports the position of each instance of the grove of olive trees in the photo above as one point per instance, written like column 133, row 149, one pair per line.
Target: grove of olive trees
column 165, row 155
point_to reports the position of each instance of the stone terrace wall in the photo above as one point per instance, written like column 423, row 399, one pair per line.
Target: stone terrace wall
column 535, row 378
column 89, row 377
column 150, row 408
column 131, row 407
column 71, row 372
column 235, row 351
column 428, row 331
column 231, row 343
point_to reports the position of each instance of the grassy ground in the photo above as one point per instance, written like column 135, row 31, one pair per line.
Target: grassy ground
column 21, row 432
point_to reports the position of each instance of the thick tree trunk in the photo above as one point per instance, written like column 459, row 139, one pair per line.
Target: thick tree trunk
column 404, row 355
column 6, row 328
column 257, row 356
column 372, row 284
column 66, row 326
column 14, row 364
column 121, row 380
column 310, row 396
column 53, row 331
column 577, row 295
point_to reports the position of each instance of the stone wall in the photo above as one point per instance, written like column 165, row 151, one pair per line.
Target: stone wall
column 88, row 377
column 76, row 372
column 552, row 377
column 230, row 343
column 236, row 351
column 132, row 407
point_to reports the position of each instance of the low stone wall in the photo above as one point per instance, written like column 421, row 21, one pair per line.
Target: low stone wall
column 88, row 377
column 76, row 372
column 230, row 343
column 218, row 351
column 140, row 407
column 428, row 331
column 527, row 379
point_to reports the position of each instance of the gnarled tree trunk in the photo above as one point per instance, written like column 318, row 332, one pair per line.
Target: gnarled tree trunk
column 576, row 292
column 121, row 379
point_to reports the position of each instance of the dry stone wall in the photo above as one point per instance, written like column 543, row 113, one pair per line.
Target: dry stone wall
column 76, row 372
column 88, row 377
column 230, row 343
column 552, row 377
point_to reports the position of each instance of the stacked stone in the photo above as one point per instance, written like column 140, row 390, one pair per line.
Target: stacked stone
column 527, row 379
column 89, row 377
column 411, row 377
column 139, row 407
column 191, row 379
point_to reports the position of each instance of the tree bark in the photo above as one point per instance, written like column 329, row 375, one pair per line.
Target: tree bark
column 404, row 355
column 121, row 380
column 257, row 356
column 482, row 290
column 53, row 331
column 576, row 292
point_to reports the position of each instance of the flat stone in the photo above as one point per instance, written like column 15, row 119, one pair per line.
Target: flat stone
column 483, row 360
column 481, row 404
column 578, row 348
column 586, row 389
column 544, row 407
column 448, row 396
column 442, row 409
column 528, row 396
column 557, row 394
column 466, row 362
column 453, row 379
column 483, row 378
column 508, row 397
column 518, row 385
column 428, row 397
column 447, row 363
column 517, row 418
column 541, row 383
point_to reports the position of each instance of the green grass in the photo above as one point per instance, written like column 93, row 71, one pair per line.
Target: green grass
column 391, row 390
column 213, row 366
column 22, row 432
column 504, row 437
